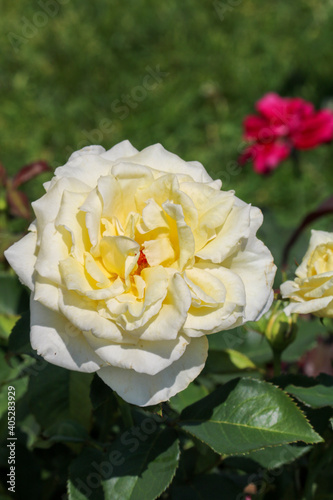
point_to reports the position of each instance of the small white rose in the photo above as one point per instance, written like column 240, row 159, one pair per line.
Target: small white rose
column 134, row 257
column 312, row 290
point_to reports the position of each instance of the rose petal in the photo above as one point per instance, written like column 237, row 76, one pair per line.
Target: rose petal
column 317, row 238
column 21, row 256
column 47, row 207
column 172, row 315
column 227, row 314
column 255, row 260
column 235, row 229
column 145, row 390
column 143, row 357
column 87, row 168
column 157, row 157
column 121, row 150
column 59, row 343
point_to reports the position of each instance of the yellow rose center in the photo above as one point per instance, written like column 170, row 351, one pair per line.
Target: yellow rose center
column 321, row 260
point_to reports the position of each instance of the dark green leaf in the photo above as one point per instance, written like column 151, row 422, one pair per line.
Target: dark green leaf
column 19, row 340
column 190, row 395
column 7, row 322
column 57, row 394
column 67, row 431
column 273, row 457
column 147, row 464
column 85, row 476
column 228, row 361
column 10, row 294
column 246, row 415
column 99, row 392
column 79, row 400
column 306, row 339
column 249, row 342
column 317, row 396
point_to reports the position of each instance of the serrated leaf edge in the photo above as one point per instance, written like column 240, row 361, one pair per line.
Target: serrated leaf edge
column 268, row 446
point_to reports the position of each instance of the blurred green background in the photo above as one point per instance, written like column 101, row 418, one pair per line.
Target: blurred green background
column 74, row 73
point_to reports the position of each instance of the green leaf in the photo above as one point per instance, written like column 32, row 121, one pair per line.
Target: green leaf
column 249, row 342
column 67, row 431
column 79, row 398
column 147, row 464
column 57, row 394
column 19, row 340
column 273, row 457
column 306, row 339
column 228, row 361
column 246, row 415
column 20, row 385
column 7, row 322
column 85, row 476
column 11, row 291
column 317, row 396
column 100, row 393
column 190, row 395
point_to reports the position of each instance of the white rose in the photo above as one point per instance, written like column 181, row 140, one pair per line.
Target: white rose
column 312, row 290
column 134, row 257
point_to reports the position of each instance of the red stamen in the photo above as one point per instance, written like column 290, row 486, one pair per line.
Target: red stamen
column 142, row 262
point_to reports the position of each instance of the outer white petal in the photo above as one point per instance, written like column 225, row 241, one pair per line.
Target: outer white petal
column 288, row 288
column 87, row 168
column 93, row 208
column 160, row 159
column 144, row 357
column 46, row 293
column 47, row 207
column 53, row 249
column 144, row 390
column 59, row 343
column 73, row 220
column 308, row 307
column 87, row 150
column 121, row 150
column 255, row 266
column 21, row 256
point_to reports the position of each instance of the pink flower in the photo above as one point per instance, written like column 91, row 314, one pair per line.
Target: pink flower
column 283, row 124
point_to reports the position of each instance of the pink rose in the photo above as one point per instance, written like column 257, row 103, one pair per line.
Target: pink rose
column 283, row 124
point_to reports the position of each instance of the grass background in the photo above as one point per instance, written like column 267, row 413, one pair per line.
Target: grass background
column 66, row 67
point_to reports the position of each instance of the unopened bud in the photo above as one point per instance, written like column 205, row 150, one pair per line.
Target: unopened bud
column 281, row 329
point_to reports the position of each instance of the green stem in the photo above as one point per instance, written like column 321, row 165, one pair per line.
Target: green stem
column 126, row 413
column 277, row 362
